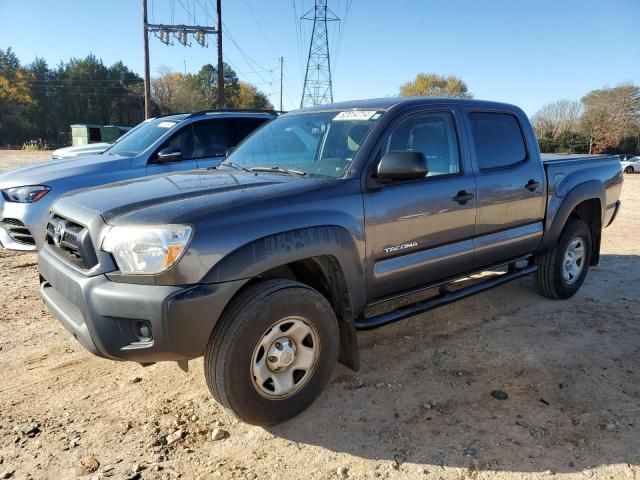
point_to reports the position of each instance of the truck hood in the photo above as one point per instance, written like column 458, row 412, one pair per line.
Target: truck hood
column 81, row 150
column 48, row 172
column 180, row 197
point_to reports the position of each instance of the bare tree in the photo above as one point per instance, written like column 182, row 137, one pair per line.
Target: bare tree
column 557, row 125
column 610, row 116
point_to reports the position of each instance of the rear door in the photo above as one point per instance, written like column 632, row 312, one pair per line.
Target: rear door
column 181, row 141
column 214, row 137
column 421, row 231
column 511, row 186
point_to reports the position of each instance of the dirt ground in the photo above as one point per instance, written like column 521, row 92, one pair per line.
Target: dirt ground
column 420, row 408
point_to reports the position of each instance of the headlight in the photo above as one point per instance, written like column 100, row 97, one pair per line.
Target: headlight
column 27, row 194
column 147, row 250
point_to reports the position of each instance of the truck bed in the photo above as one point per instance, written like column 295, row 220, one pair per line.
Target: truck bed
column 582, row 157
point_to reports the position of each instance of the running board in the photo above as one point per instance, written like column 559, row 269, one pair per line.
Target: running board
column 440, row 300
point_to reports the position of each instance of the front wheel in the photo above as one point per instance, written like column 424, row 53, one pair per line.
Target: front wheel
column 629, row 169
column 562, row 270
column 272, row 352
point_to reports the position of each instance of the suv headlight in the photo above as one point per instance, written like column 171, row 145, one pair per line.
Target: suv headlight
column 147, row 250
column 26, row 194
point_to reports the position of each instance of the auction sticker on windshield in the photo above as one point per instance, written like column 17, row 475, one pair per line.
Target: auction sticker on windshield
column 166, row 124
column 355, row 115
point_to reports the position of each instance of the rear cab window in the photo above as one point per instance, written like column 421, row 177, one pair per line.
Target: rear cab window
column 498, row 139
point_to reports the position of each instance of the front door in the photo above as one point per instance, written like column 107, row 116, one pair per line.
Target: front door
column 420, row 232
column 511, row 188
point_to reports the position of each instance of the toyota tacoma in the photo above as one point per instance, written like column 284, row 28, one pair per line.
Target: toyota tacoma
column 320, row 224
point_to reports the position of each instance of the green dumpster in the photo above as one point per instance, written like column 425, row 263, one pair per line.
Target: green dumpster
column 83, row 134
column 110, row 133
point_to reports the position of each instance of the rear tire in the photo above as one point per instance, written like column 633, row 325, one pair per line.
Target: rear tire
column 629, row 169
column 272, row 352
column 562, row 270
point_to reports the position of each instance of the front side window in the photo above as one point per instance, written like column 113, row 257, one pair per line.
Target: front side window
column 318, row 143
column 142, row 137
column 181, row 141
column 434, row 135
column 498, row 140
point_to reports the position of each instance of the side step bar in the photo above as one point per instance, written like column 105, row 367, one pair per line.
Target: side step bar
column 440, row 300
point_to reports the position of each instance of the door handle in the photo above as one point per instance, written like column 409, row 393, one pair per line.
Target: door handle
column 463, row 197
column 532, row 185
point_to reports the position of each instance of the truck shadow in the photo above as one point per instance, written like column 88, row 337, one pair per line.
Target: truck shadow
column 422, row 400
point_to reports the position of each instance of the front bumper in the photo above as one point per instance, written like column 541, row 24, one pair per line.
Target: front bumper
column 106, row 317
column 33, row 216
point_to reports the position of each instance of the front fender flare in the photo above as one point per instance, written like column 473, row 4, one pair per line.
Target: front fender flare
column 267, row 253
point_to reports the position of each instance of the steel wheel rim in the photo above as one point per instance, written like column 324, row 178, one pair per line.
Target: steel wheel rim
column 573, row 261
column 285, row 358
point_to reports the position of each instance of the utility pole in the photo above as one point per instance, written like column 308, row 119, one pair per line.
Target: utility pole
column 147, row 80
column 166, row 34
column 281, row 76
column 220, row 64
column 318, row 88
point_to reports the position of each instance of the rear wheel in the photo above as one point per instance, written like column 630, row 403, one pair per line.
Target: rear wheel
column 629, row 169
column 562, row 270
column 272, row 352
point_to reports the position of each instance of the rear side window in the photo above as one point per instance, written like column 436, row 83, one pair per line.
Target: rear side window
column 242, row 127
column 498, row 140
column 212, row 138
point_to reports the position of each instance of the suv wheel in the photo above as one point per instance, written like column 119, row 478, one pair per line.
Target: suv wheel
column 629, row 169
column 562, row 270
column 272, row 352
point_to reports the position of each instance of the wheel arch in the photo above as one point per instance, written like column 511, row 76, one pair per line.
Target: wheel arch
column 585, row 202
column 325, row 258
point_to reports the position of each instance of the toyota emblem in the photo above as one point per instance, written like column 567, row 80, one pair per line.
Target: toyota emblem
column 58, row 234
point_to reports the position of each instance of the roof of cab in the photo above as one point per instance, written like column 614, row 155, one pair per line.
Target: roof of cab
column 389, row 102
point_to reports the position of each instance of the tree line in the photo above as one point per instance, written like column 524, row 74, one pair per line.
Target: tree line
column 41, row 102
column 605, row 120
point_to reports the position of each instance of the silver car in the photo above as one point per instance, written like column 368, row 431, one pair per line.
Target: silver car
column 166, row 144
column 631, row 165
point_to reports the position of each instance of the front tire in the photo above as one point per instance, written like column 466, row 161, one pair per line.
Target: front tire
column 629, row 169
column 272, row 352
column 562, row 270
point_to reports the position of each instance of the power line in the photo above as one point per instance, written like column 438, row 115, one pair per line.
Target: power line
column 180, row 32
column 259, row 27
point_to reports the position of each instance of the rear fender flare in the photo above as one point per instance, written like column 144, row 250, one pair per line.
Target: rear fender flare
column 560, row 208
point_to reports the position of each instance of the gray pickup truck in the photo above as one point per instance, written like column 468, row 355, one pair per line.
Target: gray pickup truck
column 314, row 228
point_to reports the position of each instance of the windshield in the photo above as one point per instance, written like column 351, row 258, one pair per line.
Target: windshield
column 141, row 137
column 318, row 144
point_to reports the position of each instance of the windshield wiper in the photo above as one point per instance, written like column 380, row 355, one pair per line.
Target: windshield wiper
column 277, row 169
column 235, row 166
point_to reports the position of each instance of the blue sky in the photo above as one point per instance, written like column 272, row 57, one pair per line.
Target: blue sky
column 524, row 52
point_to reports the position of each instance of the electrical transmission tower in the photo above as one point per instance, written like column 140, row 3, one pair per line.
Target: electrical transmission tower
column 317, row 88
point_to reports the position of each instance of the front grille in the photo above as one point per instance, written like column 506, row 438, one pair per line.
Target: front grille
column 17, row 231
column 72, row 242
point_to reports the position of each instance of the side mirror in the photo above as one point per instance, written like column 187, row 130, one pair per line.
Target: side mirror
column 169, row 155
column 402, row 165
